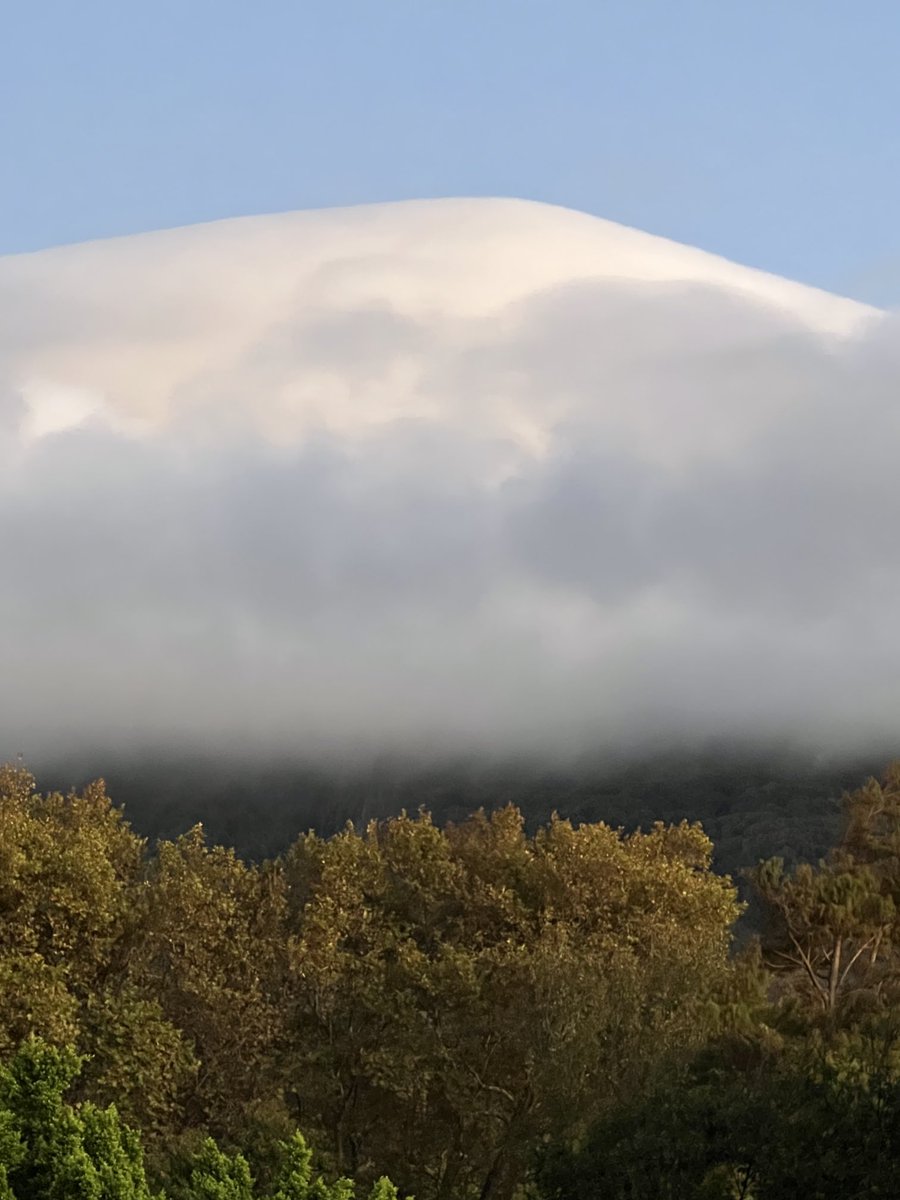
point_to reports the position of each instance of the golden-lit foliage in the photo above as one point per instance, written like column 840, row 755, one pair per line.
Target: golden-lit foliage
column 426, row 1001
column 475, row 987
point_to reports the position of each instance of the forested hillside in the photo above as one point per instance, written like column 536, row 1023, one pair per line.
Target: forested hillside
column 751, row 804
column 465, row 1009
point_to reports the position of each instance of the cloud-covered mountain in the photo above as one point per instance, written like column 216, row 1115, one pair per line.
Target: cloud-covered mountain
column 456, row 473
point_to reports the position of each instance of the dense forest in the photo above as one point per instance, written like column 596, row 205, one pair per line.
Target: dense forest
column 486, row 1006
column 754, row 803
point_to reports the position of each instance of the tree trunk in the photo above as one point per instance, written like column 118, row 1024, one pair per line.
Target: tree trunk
column 834, row 975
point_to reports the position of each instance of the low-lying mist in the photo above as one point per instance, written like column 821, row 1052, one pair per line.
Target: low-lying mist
column 606, row 516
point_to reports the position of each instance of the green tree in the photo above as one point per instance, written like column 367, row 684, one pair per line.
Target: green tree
column 459, row 994
column 51, row 1149
column 750, row 1119
column 831, row 931
column 215, row 1175
column 74, row 902
column 55, row 1151
column 213, row 959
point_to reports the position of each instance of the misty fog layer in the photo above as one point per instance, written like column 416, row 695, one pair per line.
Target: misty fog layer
column 262, row 495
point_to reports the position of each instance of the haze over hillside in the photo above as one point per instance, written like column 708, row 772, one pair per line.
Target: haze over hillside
column 445, row 475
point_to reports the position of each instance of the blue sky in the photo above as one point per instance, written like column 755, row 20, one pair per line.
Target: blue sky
column 767, row 132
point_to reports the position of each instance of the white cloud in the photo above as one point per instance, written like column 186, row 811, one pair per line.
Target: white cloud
column 471, row 472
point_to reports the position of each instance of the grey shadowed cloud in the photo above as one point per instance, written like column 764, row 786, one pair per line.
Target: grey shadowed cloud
column 365, row 506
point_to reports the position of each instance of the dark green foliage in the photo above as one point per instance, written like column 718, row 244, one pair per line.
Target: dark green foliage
column 752, row 805
column 766, row 1121
column 800, row 1097
column 832, row 933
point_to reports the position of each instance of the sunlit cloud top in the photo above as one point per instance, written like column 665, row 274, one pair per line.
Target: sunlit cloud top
column 447, row 474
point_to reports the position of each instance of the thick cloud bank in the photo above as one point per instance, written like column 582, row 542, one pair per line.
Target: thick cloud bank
column 456, row 473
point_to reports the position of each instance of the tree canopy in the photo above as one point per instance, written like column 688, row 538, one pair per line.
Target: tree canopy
column 466, row 1009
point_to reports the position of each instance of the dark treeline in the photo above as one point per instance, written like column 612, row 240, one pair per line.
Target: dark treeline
column 752, row 804
column 470, row 1009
